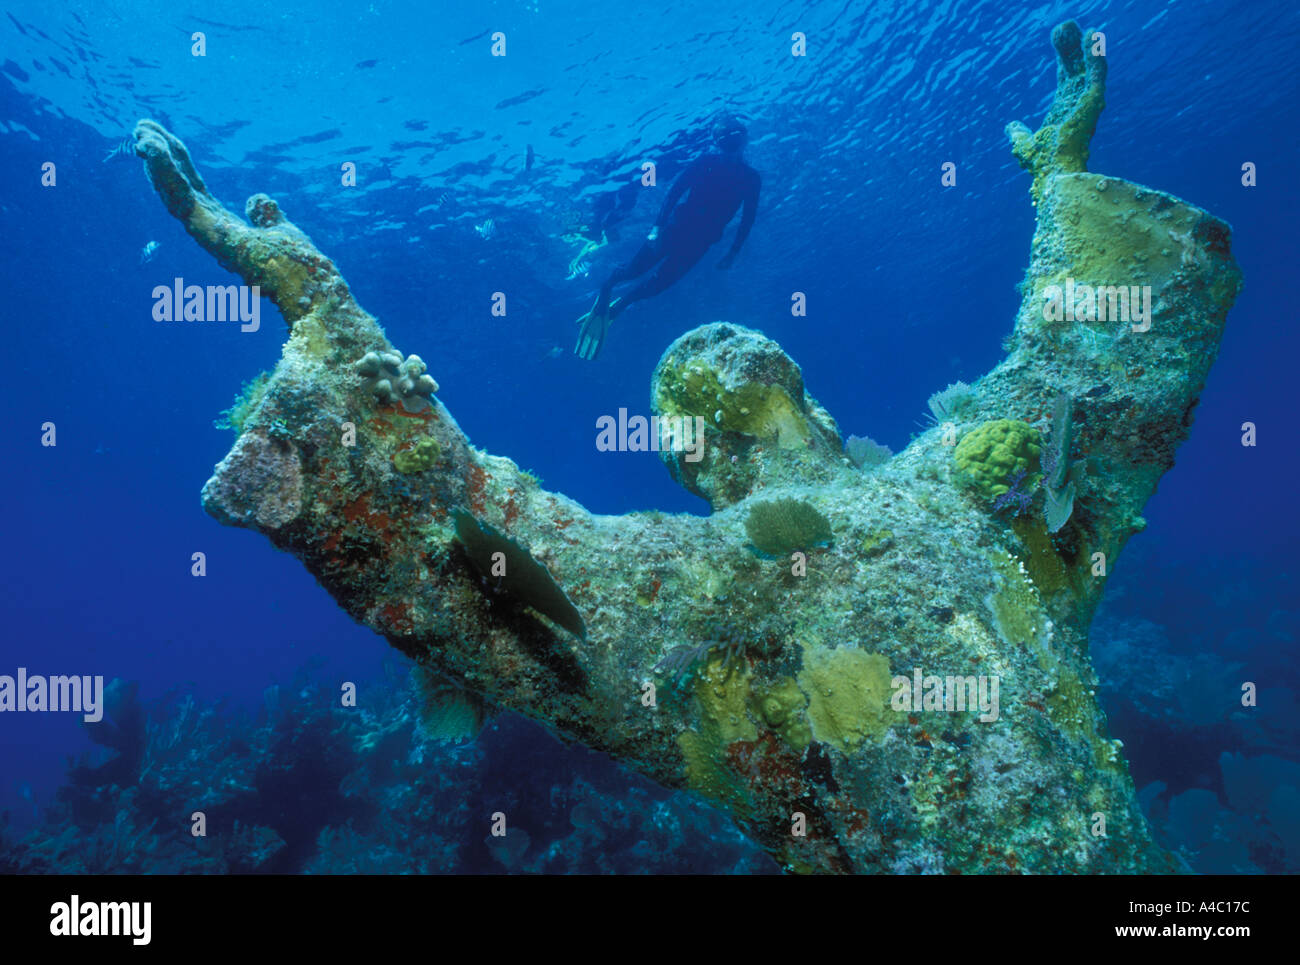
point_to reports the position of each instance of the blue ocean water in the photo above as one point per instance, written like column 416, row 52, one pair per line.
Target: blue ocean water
column 911, row 286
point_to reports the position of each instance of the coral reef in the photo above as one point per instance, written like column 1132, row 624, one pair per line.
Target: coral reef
column 1257, row 832
column 921, row 579
column 1221, row 811
column 310, row 787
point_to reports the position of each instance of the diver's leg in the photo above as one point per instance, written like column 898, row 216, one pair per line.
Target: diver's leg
column 649, row 254
column 595, row 324
column 675, row 266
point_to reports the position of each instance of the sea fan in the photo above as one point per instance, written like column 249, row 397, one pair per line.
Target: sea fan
column 865, row 453
column 946, row 404
column 1058, row 487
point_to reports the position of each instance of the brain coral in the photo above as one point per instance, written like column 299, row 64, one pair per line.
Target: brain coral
column 994, row 452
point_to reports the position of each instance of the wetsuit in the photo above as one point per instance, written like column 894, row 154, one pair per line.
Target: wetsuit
column 714, row 187
column 718, row 184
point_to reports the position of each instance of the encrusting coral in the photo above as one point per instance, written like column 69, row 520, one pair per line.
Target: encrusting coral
column 921, row 579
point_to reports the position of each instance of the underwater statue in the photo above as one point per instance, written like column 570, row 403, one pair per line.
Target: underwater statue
column 878, row 669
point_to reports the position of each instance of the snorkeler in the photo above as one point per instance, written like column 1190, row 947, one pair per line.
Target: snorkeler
column 719, row 183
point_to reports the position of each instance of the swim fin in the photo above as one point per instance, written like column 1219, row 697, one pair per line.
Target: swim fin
column 591, row 335
column 595, row 326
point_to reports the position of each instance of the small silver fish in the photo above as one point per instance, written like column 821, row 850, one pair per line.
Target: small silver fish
column 148, row 251
column 487, row 229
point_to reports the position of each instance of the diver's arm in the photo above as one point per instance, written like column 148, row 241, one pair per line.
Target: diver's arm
column 746, row 222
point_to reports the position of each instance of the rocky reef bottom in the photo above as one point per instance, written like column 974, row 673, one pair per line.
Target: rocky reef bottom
column 397, row 785
column 307, row 787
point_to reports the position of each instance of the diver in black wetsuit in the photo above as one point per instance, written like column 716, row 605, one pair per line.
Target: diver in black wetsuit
column 718, row 184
